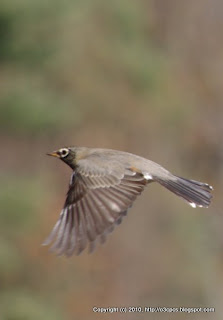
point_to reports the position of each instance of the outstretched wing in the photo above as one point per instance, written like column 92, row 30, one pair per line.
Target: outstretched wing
column 97, row 200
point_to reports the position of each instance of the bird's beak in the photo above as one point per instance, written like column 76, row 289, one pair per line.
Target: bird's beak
column 53, row 154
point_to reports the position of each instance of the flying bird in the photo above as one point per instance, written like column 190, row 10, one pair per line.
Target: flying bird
column 103, row 186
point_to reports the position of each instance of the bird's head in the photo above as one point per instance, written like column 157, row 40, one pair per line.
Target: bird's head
column 67, row 155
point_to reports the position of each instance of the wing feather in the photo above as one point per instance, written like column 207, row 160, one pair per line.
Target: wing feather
column 60, row 232
column 96, row 202
column 82, row 234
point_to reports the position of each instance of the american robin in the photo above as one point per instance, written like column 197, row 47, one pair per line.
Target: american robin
column 103, row 186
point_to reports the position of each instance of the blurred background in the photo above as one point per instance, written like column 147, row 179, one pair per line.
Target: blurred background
column 139, row 76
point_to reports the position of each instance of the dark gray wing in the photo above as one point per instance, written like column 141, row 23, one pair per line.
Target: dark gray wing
column 97, row 200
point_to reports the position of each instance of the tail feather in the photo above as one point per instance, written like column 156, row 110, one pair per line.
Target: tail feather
column 194, row 192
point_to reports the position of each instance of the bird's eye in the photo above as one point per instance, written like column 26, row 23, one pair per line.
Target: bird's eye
column 64, row 152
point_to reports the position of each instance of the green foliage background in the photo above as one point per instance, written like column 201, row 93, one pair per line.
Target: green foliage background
column 141, row 76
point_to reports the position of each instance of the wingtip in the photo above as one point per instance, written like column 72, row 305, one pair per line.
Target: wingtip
column 46, row 242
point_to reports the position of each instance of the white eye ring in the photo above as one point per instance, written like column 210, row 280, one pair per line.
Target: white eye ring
column 64, row 152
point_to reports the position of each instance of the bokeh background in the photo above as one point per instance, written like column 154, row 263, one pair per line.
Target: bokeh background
column 140, row 76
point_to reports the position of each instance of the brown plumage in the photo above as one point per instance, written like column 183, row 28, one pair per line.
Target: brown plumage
column 103, row 186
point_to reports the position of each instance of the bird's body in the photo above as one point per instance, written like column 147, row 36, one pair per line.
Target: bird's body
column 107, row 159
column 104, row 184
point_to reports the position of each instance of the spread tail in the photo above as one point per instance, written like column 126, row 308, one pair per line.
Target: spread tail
column 194, row 192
